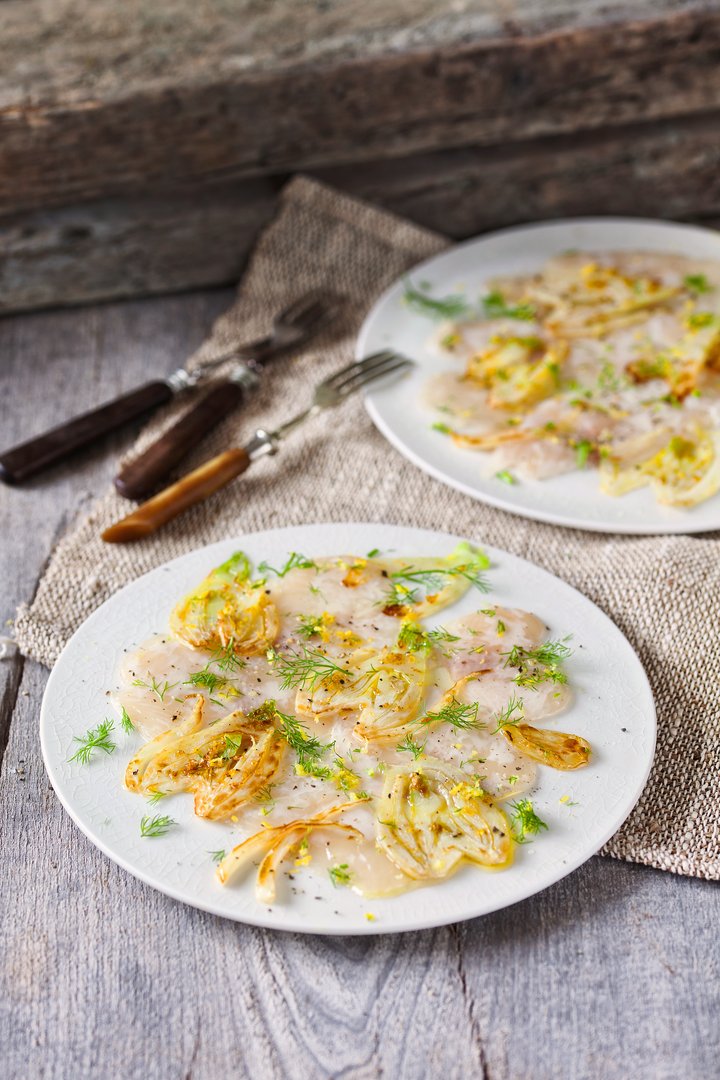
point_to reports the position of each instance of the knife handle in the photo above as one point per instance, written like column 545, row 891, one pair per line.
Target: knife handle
column 188, row 491
column 29, row 458
column 147, row 472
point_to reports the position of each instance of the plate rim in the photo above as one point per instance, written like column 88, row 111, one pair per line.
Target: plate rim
column 292, row 924
column 679, row 528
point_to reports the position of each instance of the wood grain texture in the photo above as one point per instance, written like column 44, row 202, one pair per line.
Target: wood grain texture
column 171, row 241
column 612, row 973
column 250, row 104
column 141, row 148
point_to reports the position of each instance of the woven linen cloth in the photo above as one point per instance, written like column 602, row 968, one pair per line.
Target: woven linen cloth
column 663, row 592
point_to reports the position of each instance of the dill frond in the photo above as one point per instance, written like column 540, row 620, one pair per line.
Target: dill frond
column 539, row 665
column 456, row 714
column 206, row 678
column 296, row 561
column 448, row 307
column 156, row 826
column 125, row 722
column 512, row 714
column 525, row 821
column 158, row 688
column 226, row 659
column 408, row 745
column 413, row 638
column 304, row 670
column 97, row 738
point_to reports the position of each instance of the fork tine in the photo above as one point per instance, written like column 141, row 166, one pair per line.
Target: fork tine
column 370, row 374
column 357, row 366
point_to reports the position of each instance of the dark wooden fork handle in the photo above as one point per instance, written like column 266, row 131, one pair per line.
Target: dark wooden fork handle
column 29, row 458
column 150, row 470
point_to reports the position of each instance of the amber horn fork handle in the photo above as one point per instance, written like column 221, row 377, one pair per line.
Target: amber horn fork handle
column 191, row 489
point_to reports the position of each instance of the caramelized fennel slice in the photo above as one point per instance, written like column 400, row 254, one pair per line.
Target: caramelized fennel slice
column 431, row 818
column 554, row 748
column 135, row 774
column 225, row 765
column 225, row 610
column 277, row 842
column 384, row 692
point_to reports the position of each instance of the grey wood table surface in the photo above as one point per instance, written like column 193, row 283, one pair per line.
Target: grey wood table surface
column 612, row 973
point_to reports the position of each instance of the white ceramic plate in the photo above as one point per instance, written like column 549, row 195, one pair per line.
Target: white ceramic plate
column 613, row 709
column 573, row 499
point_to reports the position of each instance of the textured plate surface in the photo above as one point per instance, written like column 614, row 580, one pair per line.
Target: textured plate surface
column 396, row 409
column 613, row 708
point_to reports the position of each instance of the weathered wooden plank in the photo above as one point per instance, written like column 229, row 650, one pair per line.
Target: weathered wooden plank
column 73, row 129
column 169, row 241
column 612, row 973
column 139, row 245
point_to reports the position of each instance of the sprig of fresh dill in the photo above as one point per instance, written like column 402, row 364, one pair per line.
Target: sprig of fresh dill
column 296, row 561
column 308, row 748
column 512, row 714
column 158, row 688
column 157, row 825
column 304, row 670
column 408, row 745
column 463, row 717
column 125, row 722
column 407, row 582
column 206, row 678
column 217, row 856
column 525, row 821
column 539, row 665
column 419, row 300
column 155, row 796
column 97, row 738
column 226, row 659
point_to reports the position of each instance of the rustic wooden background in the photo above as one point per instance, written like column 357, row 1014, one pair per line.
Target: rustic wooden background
column 142, row 145
column 612, row 974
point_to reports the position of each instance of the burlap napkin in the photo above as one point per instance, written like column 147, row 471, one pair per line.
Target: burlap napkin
column 664, row 593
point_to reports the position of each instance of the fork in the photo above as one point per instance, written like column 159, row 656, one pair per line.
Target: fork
column 146, row 473
column 291, row 326
column 220, row 470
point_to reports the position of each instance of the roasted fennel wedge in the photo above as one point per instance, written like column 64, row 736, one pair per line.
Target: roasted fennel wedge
column 225, row 765
column 432, row 817
column 226, row 609
column 277, row 844
column 381, row 693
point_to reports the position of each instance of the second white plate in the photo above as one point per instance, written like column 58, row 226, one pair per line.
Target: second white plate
column 575, row 498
